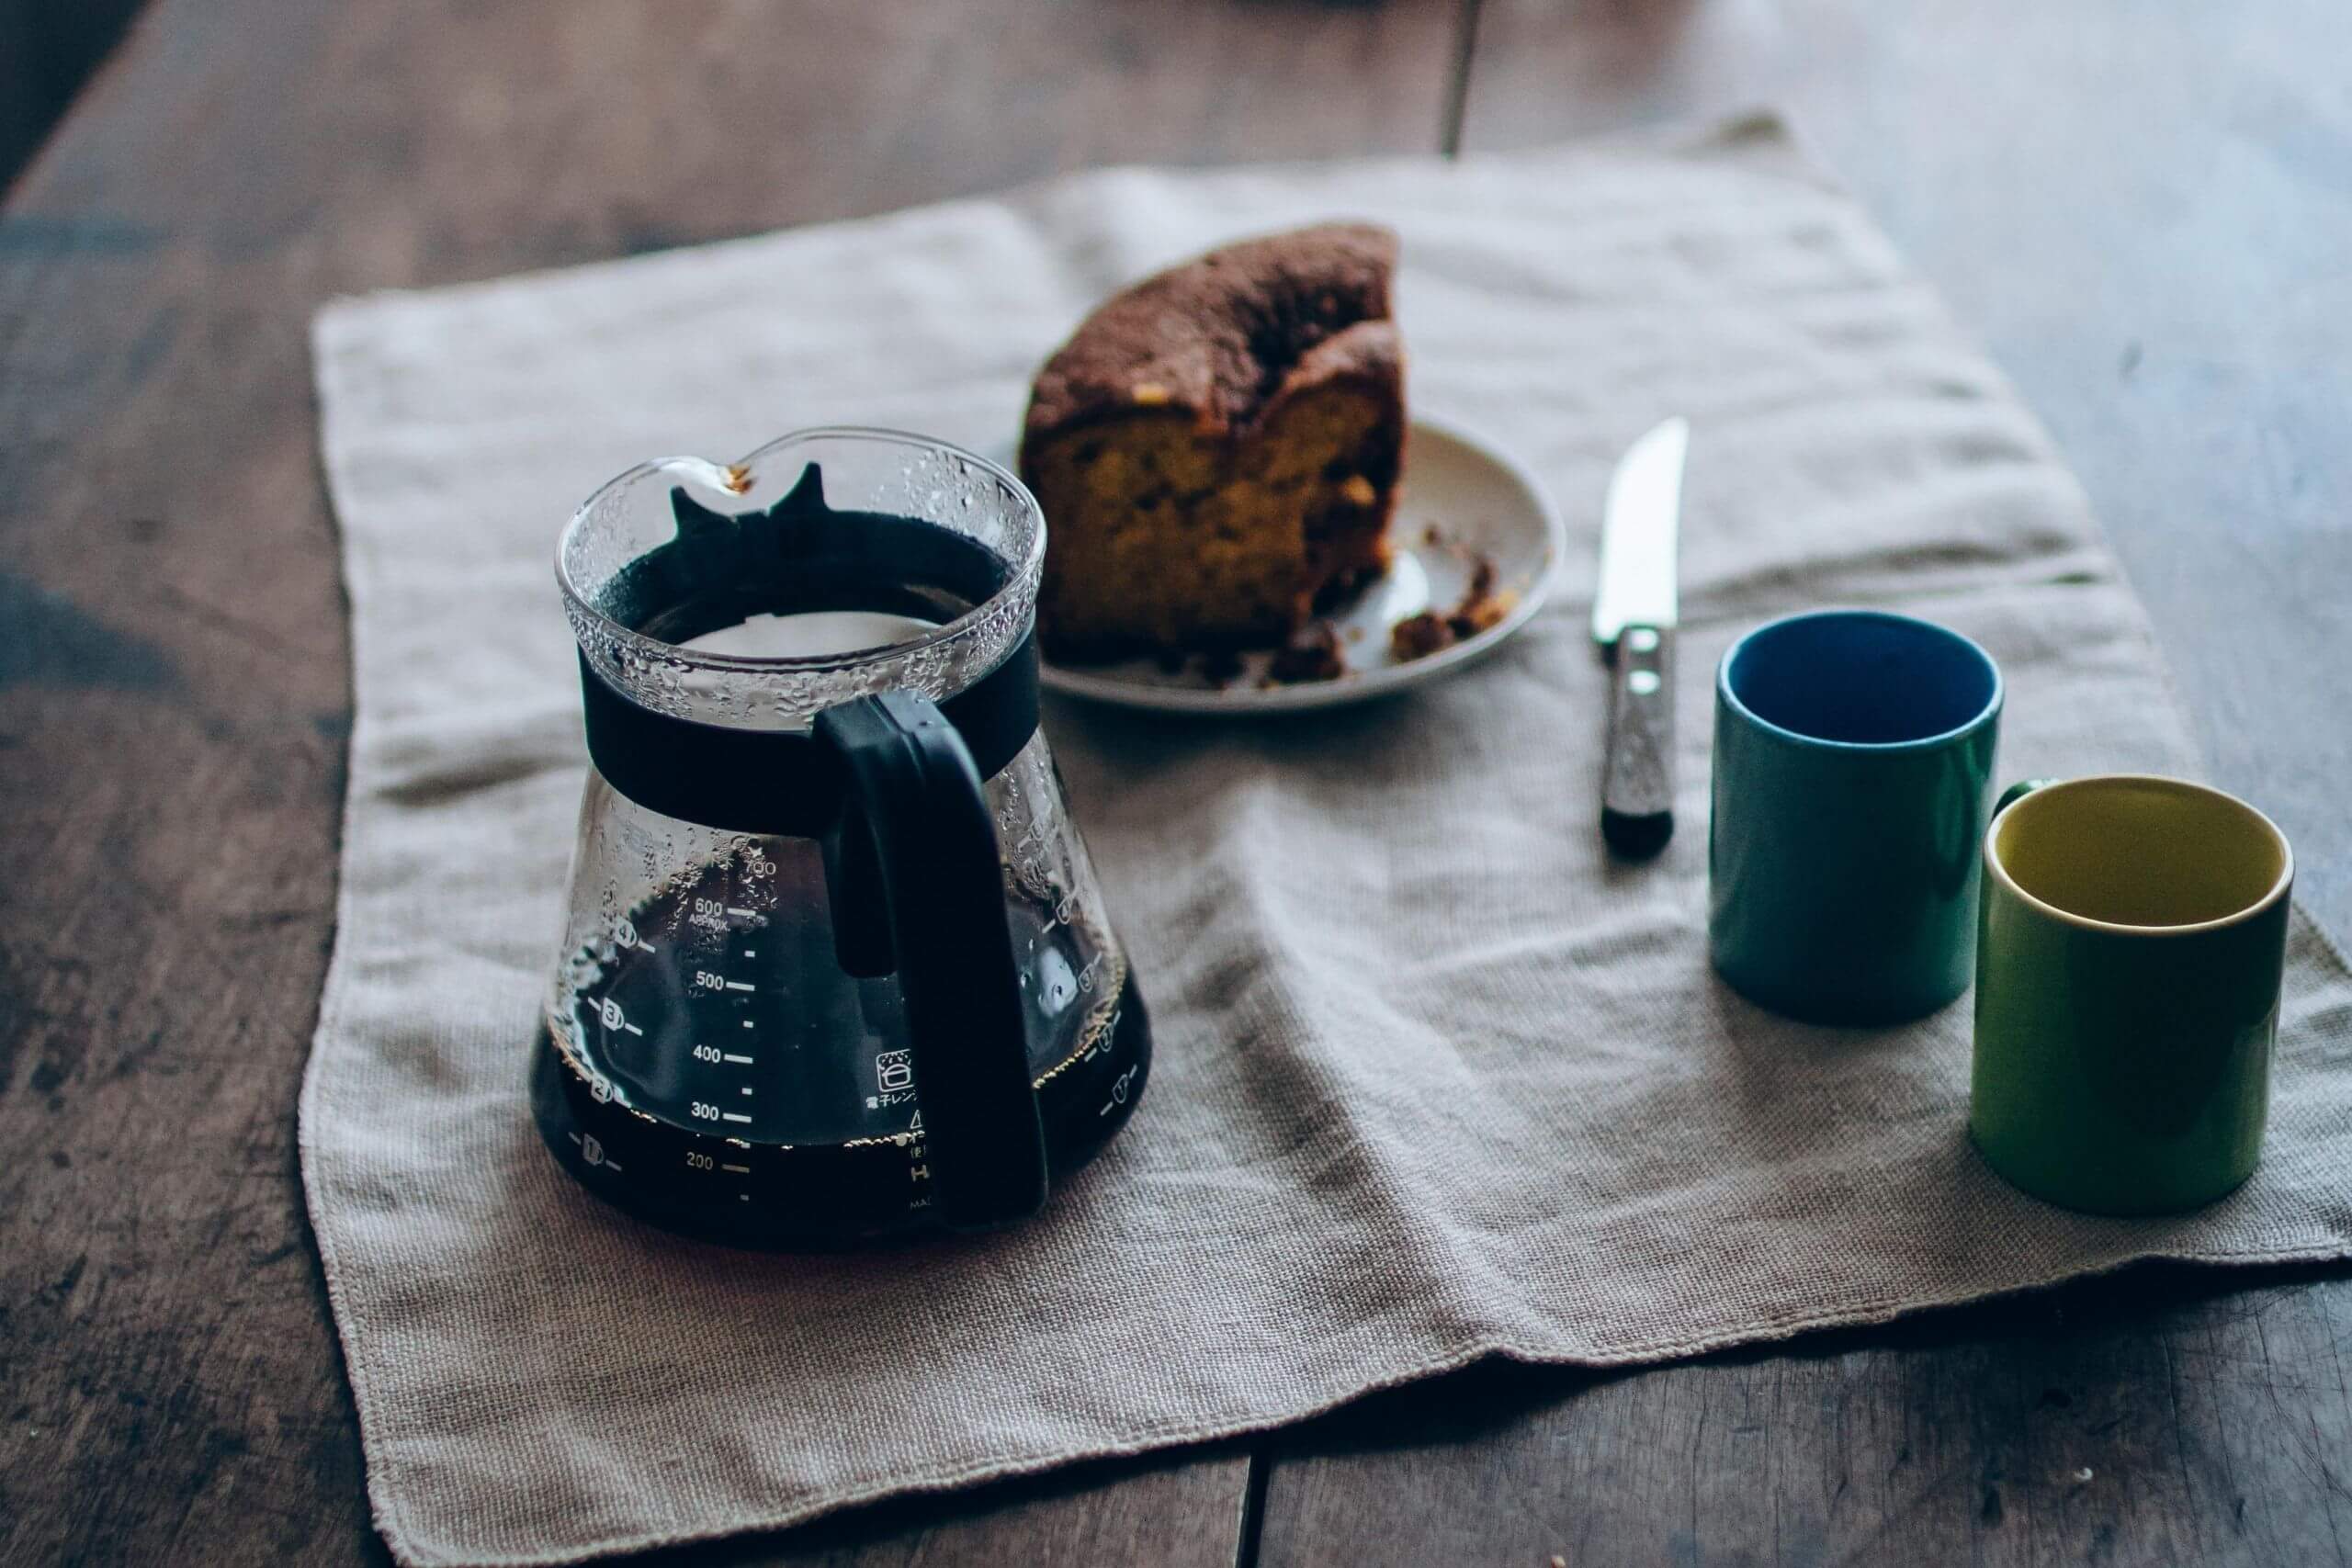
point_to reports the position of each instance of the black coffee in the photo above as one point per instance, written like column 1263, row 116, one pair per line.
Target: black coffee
column 720, row 1074
column 720, row 1008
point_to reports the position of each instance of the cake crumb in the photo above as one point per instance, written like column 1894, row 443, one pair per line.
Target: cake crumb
column 1313, row 655
column 1417, row 637
column 1480, row 609
column 1475, row 615
column 1359, row 491
column 1150, row 394
column 1482, row 578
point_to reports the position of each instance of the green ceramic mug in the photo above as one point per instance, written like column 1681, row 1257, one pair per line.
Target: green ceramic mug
column 1853, row 763
column 2129, row 963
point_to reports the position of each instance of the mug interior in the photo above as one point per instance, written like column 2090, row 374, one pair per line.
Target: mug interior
column 1861, row 678
column 2140, row 851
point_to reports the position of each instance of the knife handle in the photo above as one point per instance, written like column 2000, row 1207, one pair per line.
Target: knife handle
column 1637, row 776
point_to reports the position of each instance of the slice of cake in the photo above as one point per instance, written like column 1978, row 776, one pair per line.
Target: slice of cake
column 1216, row 448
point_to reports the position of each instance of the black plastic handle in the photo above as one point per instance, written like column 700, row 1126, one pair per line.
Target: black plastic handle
column 1637, row 778
column 916, row 888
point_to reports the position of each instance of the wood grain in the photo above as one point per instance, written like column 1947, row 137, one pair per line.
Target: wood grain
column 174, row 690
column 2161, row 1418
column 2145, row 215
column 1182, row 1510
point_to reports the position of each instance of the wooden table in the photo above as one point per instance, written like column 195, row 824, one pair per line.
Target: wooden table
column 2147, row 211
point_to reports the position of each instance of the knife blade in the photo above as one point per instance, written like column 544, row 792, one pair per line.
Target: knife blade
column 1634, row 613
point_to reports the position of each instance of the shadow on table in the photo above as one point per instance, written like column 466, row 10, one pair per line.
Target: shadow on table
column 2050, row 1336
column 2039, row 1355
column 1183, row 1506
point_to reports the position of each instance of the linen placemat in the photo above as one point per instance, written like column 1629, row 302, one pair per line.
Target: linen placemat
column 1434, row 1081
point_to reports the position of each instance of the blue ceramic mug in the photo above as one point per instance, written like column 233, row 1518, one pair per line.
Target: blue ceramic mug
column 1852, row 764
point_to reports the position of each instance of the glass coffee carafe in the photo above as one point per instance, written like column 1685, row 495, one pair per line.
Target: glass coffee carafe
column 834, row 965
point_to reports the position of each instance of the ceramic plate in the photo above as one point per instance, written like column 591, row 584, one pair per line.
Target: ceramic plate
column 1464, row 498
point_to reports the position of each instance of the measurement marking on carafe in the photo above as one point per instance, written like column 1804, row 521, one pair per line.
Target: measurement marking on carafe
column 731, row 1116
column 747, row 914
column 740, row 986
column 593, row 1150
column 738, row 1170
column 747, row 1089
column 734, row 1057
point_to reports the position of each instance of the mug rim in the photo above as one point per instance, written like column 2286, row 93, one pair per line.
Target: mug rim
column 1982, row 717
column 725, row 476
column 2262, row 906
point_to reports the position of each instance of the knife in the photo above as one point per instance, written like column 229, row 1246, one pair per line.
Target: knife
column 1633, row 621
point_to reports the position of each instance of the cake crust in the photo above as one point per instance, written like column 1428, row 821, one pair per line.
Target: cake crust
column 1224, row 336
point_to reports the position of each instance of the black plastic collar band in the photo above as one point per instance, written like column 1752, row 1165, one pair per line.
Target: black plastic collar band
column 778, row 782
